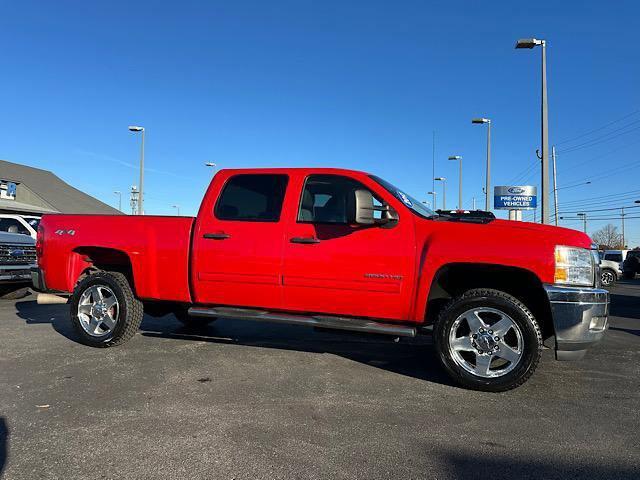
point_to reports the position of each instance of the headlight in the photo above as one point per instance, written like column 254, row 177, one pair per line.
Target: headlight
column 574, row 266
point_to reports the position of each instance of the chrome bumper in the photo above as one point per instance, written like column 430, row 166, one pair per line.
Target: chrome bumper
column 580, row 317
column 15, row 274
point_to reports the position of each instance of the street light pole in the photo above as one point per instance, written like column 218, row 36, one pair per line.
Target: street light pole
column 119, row 193
column 487, row 189
column 531, row 43
column 134, row 128
column 459, row 159
column 435, row 205
column 444, row 191
column 177, row 207
column 555, row 184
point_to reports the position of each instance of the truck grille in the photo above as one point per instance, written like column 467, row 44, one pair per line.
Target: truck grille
column 12, row 254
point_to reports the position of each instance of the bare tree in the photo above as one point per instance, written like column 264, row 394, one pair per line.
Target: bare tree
column 608, row 237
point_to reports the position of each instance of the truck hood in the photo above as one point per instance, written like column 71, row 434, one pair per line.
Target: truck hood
column 558, row 235
column 16, row 239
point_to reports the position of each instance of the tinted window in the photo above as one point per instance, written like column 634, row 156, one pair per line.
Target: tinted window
column 256, row 198
column 616, row 257
column 330, row 199
column 12, row 225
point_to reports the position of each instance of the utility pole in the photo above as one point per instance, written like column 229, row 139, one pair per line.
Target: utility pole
column 133, row 199
column 555, row 184
column 622, row 216
column 584, row 221
column 474, row 203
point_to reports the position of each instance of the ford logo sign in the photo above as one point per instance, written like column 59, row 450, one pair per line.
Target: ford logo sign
column 16, row 253
column 516, row 190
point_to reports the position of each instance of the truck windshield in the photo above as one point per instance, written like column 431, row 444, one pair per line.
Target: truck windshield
column 414, row 205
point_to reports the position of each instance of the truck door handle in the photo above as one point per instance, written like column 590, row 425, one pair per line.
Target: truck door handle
column 305, row 240
column 216, row 236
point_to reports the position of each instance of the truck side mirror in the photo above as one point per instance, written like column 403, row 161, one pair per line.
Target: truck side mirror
column 364, row 207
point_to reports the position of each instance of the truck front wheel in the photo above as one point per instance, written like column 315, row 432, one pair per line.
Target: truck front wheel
column 104, row 310
column 488, row 340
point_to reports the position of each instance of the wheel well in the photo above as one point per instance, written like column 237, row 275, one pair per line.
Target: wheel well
column 453, row 280
column 105, row 259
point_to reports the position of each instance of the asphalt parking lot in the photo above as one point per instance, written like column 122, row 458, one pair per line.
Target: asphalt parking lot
column 245, row 400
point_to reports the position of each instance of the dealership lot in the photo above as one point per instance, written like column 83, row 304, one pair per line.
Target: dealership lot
column 247, row 400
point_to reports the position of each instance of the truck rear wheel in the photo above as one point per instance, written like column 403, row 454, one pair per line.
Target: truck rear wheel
column 104, row 310
column 488, row 340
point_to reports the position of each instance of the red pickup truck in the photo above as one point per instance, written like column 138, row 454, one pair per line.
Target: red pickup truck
column 337, row 249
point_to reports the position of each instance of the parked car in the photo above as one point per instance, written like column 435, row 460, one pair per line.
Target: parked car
column 610, row 272
column 17, row 257
column 631, row 264
column 336, row 249
column 23, row 224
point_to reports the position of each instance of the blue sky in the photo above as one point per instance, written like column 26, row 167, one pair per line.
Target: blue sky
column 359, row 84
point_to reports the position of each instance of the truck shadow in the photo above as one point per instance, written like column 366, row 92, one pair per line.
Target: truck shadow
column 626, row 306
column 414, row 358
column 4, row 444
column 410, row 357
column 496, row 457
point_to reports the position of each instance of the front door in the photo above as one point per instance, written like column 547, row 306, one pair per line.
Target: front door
column 334, row 266
column 237, row 246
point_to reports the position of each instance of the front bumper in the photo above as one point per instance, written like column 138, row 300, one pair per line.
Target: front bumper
column 15, row 274
column 580, row 317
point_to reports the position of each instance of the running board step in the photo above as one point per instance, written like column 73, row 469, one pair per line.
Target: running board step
column 323, row 321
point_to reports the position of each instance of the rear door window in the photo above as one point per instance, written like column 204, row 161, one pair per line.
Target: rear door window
column 252, row 198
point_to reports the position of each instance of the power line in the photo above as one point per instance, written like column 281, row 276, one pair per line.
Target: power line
column 599, row 140
column 589, row 132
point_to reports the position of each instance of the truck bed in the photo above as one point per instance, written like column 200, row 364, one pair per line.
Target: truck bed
column 157, row 249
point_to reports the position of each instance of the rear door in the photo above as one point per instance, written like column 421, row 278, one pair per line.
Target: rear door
column 237, row 244
column 332, row 265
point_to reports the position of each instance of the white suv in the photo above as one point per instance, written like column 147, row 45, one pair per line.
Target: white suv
column 24, row 224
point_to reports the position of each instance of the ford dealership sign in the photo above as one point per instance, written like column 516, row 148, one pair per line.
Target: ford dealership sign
column 515, row 198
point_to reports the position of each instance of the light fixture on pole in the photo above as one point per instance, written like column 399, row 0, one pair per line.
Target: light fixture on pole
column 444, row 191
column 459, row 159
column 531, row 43
column 119, row 193
column 136, row 129
column 487, row 188
column 210, row 164
column 177, row 207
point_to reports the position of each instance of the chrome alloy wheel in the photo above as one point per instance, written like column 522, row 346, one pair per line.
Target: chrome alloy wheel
column 486, row 342
column 98, row 310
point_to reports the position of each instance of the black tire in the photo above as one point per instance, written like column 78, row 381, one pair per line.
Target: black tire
column 188, row 321
column 130, row 309
column 519, row 314
column 628, row 275
column 607, row 277
column 13, row 292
